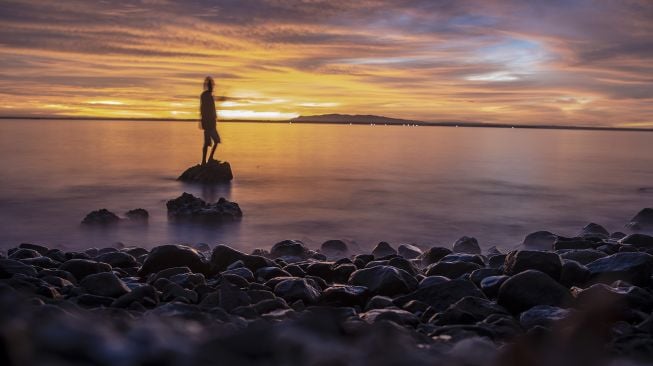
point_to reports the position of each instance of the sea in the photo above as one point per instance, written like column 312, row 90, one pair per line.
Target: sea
column 363, row 184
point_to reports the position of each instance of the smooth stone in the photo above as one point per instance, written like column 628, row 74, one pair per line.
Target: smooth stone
column 642, row 221
column 383, row 249
column 432, row 280
column 145, row 295
column 496, row 261
column 42, row 262
column 466, row 245
column 468, row 310
column 583, row 256
column 522, row 260
column 451, row 269
column 334, row 248
column 478, row 275
column 464, row 257
column 39, row 248
column 539, row 240
column 297, row 289
column 243, row 272
column 633, row 267
column 223, row 256
column 542, row 315
column 491, row 285
column 342, row 272
column 10, row 267
column 289, row 248
column 23, row 253
column 173, row 255
column 574, row 274
column 441, row 295
column 324, row 270
column 620, row 298
column 403, row 263
column 81, row 268
column 210, row 173
column 433, row 255
column 531, row 288
column 639, row 241
column 345, row 295
column 105, row 284
column 409, row 251
column 593, row 230
column 379, row 302
column 398, row 316
column 384, row 280
column 118, row 259
column 266, row 273
column 563, row 243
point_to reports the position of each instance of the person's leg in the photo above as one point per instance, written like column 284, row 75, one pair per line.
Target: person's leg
column 207, row 142
column 214, row 136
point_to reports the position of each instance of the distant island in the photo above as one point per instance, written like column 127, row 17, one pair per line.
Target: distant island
column 369, row 119
column 353, row 119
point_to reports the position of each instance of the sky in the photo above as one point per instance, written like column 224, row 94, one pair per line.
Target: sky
column 561, row 62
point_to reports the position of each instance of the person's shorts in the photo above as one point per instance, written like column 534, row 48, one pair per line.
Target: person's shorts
column 211, row 135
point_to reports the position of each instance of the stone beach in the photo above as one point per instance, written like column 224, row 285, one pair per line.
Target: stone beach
column 555, row 300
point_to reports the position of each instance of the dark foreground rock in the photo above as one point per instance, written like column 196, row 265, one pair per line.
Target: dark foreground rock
column 188, row 206
column 210, row 173
column 589, row 302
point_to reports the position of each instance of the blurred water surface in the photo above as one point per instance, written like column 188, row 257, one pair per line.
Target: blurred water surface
column 363, row 184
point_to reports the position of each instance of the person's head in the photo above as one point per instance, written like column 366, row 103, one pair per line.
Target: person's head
column 209, row 83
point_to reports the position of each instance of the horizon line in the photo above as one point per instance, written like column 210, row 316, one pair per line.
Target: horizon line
column 290, row 121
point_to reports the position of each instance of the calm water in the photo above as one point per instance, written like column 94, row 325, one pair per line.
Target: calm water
column 425, row 185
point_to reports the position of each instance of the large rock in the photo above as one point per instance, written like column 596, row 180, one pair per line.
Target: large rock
column 639, row 241
column 334, row 248
column 633, row 267
column 212, row 172
column 583, row 256
column 223, row 256
column 531, row 288
column 294, row 289
column 642, row 221
column 138, row 215
column 539, row 240
column 383, row 249
column 409, row 251
column 466, row 245
column 118, row 259
column 451, row 269
column 398, row 316
column 172, row 255
column 10, row 267
column 542, row 315
column 191, row 207
column 101, row 217
column 522, row 260
column 345, row 295
column 468, row 310
column 433, row 255
column 441, row 295
column 384, row 280
column 104, row 284
column 593, row 230
column 81, row 268
column 289, row 249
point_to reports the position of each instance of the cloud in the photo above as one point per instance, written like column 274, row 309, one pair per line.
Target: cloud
column 515, row 61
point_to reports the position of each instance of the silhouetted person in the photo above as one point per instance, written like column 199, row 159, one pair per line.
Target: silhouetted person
column 209, row 118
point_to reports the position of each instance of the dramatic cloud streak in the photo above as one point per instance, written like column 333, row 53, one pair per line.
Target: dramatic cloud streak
column 578, row 62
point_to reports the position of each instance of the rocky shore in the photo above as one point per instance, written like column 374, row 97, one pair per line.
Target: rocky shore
column 585, row 300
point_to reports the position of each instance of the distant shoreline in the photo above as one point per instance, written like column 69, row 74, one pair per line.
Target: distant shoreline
column 412, row 123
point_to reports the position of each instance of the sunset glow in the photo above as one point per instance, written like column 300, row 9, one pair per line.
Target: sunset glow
column 573, row 62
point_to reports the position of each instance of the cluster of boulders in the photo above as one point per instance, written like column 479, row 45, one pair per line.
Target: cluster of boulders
column 211, row 172
column 583, row 300
column 188, row 206
column 106, row 217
